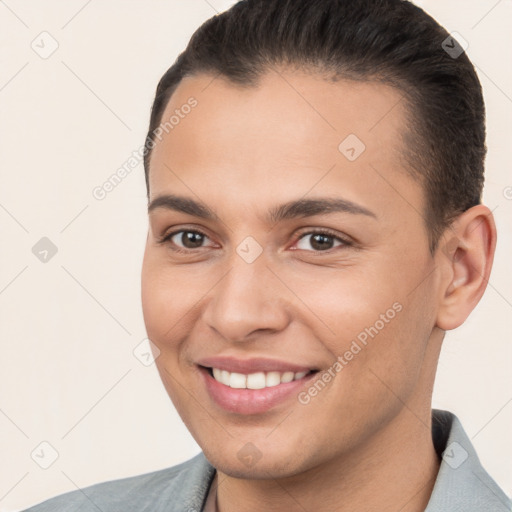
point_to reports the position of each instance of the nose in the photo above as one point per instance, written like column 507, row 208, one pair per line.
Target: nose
column 247, row 302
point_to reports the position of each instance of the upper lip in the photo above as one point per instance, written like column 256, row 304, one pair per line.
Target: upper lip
column 252, row 365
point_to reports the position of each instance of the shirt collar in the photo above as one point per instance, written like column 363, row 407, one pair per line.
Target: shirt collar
column 462, row 484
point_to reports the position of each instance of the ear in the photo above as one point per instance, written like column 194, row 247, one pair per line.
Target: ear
column 464, row 256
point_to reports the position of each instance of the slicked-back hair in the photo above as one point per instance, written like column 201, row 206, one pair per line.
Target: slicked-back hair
column 388, row 41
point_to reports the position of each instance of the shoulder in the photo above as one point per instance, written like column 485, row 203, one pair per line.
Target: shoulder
column 183, row 487
column 462, row 483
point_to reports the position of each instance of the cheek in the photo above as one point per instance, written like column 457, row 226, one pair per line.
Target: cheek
column 371, row 322
column 171, row 302
column 346, row 301
column 163, row 300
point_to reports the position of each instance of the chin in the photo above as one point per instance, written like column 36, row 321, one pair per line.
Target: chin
column 261, row 467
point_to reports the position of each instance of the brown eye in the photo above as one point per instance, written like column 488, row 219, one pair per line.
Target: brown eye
column 190, row 239
column 319, row 241
column 184, row 239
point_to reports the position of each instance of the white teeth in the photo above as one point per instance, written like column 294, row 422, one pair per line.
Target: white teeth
column 258, row 380
column 217, row 374
column 272, row 379
column 237, row 380
column 224, row 377
column 287, row 376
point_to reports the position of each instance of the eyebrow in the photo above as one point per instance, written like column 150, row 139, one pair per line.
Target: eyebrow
column 290, row 210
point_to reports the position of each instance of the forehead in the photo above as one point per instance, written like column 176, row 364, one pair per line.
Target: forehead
column 289, row 134
column 309, row 105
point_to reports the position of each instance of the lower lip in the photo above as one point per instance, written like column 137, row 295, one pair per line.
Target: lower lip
column 251, row 401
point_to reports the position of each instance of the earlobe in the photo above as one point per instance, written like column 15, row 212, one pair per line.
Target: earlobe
column 465, row 255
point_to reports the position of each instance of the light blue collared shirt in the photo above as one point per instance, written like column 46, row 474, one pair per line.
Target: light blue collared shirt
column 462, row 484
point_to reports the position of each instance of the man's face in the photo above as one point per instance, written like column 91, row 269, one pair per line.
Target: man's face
column 255, row 293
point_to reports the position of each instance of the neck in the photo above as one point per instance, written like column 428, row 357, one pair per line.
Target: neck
column 395, row 470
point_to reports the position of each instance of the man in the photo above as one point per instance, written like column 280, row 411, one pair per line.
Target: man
column 314, row 172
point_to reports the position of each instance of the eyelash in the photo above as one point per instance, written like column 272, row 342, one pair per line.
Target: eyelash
column 166, row 239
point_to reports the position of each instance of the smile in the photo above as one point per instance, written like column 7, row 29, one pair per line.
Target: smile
column 258, row 380
column 252, row 386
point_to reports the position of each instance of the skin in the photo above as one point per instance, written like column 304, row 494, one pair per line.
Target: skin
column 364, row 442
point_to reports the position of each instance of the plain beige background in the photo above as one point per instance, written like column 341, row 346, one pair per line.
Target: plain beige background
column 69, row 377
